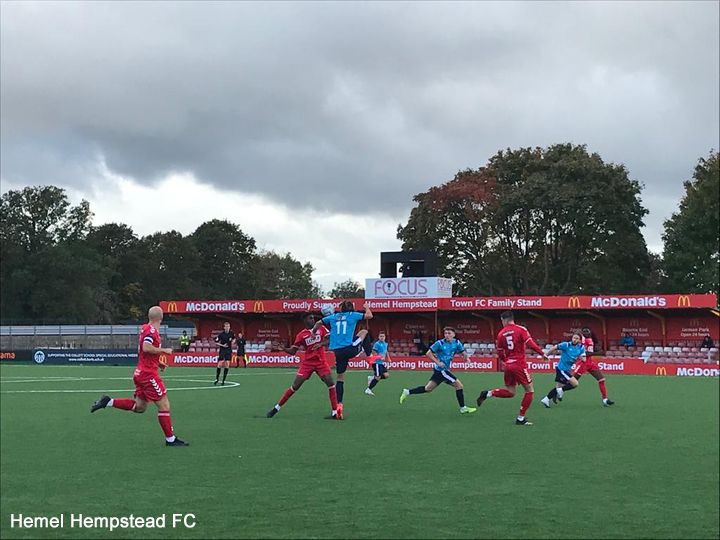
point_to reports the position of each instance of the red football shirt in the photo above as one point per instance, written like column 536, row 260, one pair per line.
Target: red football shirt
column 312, row 343
column 148, row 361
column 511, row 342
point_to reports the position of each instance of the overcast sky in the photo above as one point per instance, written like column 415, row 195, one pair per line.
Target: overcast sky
column 312, row 125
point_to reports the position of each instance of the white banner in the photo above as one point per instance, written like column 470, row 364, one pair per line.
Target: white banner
column 420, row 287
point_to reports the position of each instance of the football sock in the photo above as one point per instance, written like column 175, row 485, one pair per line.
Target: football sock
column 225, row 372
column 418, row 390
column 125, row 404
column 526, row 402
column 340, row 385
column 501, row 393
column 460, row 395
column 373, row 383
column 367, row 345
column 286, row 395
column 552, row 393
column 567, row 388
column 217, row 374
column 603, row 390
column 332, row 392
column 165, row 424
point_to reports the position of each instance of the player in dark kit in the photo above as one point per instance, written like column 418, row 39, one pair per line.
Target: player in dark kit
column 313, row 362
column 240, row 341
column 148, row 384
column 510, row 344
column 224, row 340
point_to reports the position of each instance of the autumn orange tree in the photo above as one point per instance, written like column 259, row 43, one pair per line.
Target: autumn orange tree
column 536, row 221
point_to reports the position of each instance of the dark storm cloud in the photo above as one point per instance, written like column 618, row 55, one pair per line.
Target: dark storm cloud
column 353, row 107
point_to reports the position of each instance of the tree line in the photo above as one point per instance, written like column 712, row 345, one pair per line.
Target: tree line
column 557, row 220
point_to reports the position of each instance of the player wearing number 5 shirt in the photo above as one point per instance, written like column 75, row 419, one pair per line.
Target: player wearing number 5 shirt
column 510, row 344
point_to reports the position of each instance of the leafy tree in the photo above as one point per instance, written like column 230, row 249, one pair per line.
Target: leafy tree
column 347, row 289
column 67, row 283
column 226, row 257
column 32, row 221
column 170, row 263
column 535, row 221
column 690, row 257
column 39, row 217
column 279, row 276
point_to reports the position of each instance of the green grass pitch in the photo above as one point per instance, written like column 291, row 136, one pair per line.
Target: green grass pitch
column 645, row 468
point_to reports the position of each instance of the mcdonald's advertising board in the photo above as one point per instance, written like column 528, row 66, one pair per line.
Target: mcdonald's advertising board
column 411, row 303
column 609, row 366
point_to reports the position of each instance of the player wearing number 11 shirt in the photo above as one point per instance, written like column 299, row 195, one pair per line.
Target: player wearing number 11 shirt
column 510, row 344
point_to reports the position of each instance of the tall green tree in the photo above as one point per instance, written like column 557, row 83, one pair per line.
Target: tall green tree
column 122, row 256
column 691, row 257
column 535, row 221
column 32, row 221
column 170, row 264
column 68, row 283
column 41, row 216
column 226, row 258
column 282, row 276
column 347, row 289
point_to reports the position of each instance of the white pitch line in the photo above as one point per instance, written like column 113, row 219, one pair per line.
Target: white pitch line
column 172, row 377
column 229, row 384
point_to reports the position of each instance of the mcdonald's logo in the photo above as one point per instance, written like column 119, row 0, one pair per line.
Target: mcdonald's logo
column 163, row 359
column 172, row 307
column 634, row 322
column 574, row 302
column 694, row 323
column 683, row 300
column 661, row 370
column 259, row 306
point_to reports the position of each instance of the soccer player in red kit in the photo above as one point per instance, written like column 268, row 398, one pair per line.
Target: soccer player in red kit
column 314, row 362
column 510, row 345
column 148, row 384
column 591, row 367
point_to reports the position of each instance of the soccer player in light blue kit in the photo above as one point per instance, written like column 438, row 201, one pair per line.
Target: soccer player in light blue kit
column 379, row 357
column 442, row 353
column 570, row 352
column 344, row 343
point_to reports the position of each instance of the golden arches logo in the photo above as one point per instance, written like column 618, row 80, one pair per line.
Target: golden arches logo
column 574, row 302
column 163, row 360
column 661, row 370
column 171, row 307
column 683, row 300
column 259, row 306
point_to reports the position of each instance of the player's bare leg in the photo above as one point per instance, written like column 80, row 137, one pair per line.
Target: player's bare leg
column 600, row 378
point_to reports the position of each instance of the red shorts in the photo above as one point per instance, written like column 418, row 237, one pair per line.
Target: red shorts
column 517, row 374
column 307, row 368
column 148, row 386
column 583, row 367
